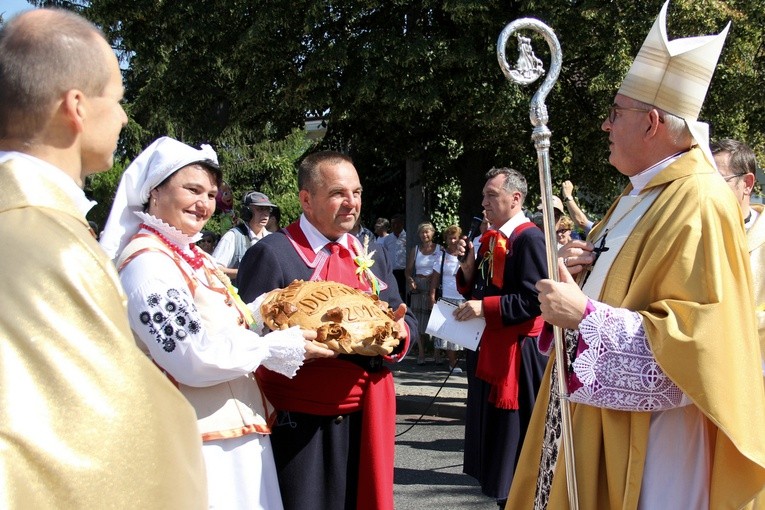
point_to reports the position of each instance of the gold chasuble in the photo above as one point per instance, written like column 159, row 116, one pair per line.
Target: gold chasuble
column 685, row 269
column 86, row 420
column 756, row 238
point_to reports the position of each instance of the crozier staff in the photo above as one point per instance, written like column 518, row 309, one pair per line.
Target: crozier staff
column 187, row 315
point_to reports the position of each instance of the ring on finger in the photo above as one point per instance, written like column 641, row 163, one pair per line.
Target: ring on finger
column 565, row 261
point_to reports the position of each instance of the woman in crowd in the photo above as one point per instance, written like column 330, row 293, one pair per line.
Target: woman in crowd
column 274, row 220
column 224, row 207
column 208, row 241
column 418, row 269
column 444, row 277
column 188, row 317
column 563, row 230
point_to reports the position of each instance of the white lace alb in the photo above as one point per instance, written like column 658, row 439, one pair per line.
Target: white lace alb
column 617, row 369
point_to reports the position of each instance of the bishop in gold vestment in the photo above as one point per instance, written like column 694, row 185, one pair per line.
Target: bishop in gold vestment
column 683, row 268
column 665, row 361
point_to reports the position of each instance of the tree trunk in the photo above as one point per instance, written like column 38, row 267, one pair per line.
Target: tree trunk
column 415, row 201
column 472, row 166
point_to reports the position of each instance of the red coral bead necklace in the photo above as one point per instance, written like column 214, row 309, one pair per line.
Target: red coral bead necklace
column 196, row 262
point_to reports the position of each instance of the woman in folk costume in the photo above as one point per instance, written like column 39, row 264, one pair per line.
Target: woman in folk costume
column 664, row 360
column 189, row 318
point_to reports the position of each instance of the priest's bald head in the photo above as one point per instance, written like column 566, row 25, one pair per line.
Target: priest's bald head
column 60, row 92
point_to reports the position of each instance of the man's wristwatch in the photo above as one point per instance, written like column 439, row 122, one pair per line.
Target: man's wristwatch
column 568, row 199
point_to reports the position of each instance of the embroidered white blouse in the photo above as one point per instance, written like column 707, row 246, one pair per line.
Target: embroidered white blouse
column 195, row 347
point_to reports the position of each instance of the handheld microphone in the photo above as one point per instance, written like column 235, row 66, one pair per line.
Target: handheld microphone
column 475, row 225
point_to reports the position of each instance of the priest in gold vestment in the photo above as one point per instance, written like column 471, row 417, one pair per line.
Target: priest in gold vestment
column 668, row 400
column 737, row 164
column 86, row 421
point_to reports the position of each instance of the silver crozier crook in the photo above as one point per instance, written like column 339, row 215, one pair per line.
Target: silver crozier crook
column 528, row 69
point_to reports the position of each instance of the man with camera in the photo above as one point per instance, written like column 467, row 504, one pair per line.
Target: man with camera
column 256, row 209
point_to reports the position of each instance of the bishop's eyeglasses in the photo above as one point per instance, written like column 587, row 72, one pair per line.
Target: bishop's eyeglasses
column 615, row 108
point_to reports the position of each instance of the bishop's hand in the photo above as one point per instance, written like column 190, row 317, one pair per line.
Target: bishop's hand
column 562, row 303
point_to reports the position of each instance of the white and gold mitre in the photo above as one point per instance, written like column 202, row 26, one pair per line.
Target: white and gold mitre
column 673, row 75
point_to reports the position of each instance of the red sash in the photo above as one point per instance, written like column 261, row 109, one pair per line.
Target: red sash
column 351, row 389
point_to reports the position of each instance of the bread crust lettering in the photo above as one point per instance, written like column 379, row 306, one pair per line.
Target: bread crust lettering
column 346, row 320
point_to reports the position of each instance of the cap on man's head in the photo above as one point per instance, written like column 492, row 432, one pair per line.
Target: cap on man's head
column 557, row 204
column 673, row 75
column 257, row 198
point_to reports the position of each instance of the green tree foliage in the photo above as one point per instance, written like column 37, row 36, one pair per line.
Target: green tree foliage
column 101, row 188
column 405, row 79
column 266, row 166
column 445, row 212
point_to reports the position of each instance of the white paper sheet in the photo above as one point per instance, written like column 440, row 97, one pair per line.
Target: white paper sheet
column 443, row 325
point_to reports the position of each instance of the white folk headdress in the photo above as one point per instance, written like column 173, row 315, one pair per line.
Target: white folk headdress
column 149, row 169
column 675, row 75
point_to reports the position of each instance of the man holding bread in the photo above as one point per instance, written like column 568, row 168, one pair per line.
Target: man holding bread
column 334, row 437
